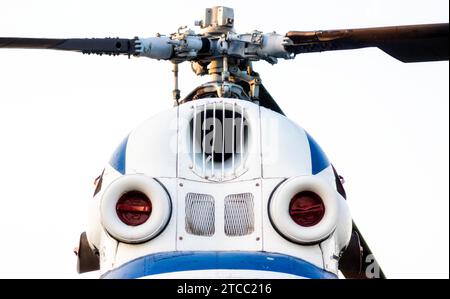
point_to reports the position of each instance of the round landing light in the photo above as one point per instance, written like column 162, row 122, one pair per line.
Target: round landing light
column 134, row 208
column 306, row 209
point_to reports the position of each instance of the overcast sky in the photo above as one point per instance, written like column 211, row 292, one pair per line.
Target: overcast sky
column 384, row 124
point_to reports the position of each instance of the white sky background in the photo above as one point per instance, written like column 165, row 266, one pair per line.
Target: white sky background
column 384, row 124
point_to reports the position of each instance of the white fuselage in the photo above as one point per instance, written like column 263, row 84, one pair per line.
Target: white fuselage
column 219, row 215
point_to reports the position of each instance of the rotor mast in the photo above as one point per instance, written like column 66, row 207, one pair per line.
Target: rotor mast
column 217, row 22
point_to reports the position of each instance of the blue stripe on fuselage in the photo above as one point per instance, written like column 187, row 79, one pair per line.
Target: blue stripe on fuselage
column 118, row 158
column 169, row 262
column 319, row 160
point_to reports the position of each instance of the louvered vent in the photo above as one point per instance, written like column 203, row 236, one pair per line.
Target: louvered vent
column 239, row 215
column 219, row 140
column 200, row 211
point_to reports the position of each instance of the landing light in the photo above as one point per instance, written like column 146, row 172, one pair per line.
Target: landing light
column 134, row 208
column 306, row 209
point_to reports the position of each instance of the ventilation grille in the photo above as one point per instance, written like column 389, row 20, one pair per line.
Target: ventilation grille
column 239, row 215
column 200, row 210
column 219, row 134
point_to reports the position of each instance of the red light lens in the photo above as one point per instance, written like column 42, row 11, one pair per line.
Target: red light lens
column 134, row 208
column 306, row 209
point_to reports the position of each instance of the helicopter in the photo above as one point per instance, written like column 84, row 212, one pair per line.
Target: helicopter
column 235, row 81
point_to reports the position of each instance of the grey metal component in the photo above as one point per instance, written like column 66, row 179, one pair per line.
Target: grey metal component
column 187, row 44
column 217, row 20
column 155, row 47
column 273, row 46
column 255, row 46
column 245, row 45
column 200, row 214
column 176, row 90
column 213, row 90
column 239, row 215
column 217, row 40
column 219, row 51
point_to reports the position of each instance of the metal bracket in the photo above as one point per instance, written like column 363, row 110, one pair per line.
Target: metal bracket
column 176, row 91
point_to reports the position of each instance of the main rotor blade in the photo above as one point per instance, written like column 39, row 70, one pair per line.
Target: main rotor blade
column 358, row 262
column 107, row 46
column 413, row 43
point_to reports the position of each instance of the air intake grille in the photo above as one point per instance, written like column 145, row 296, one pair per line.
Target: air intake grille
column 200, row 210
column 219, row 140
column 239, row 215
